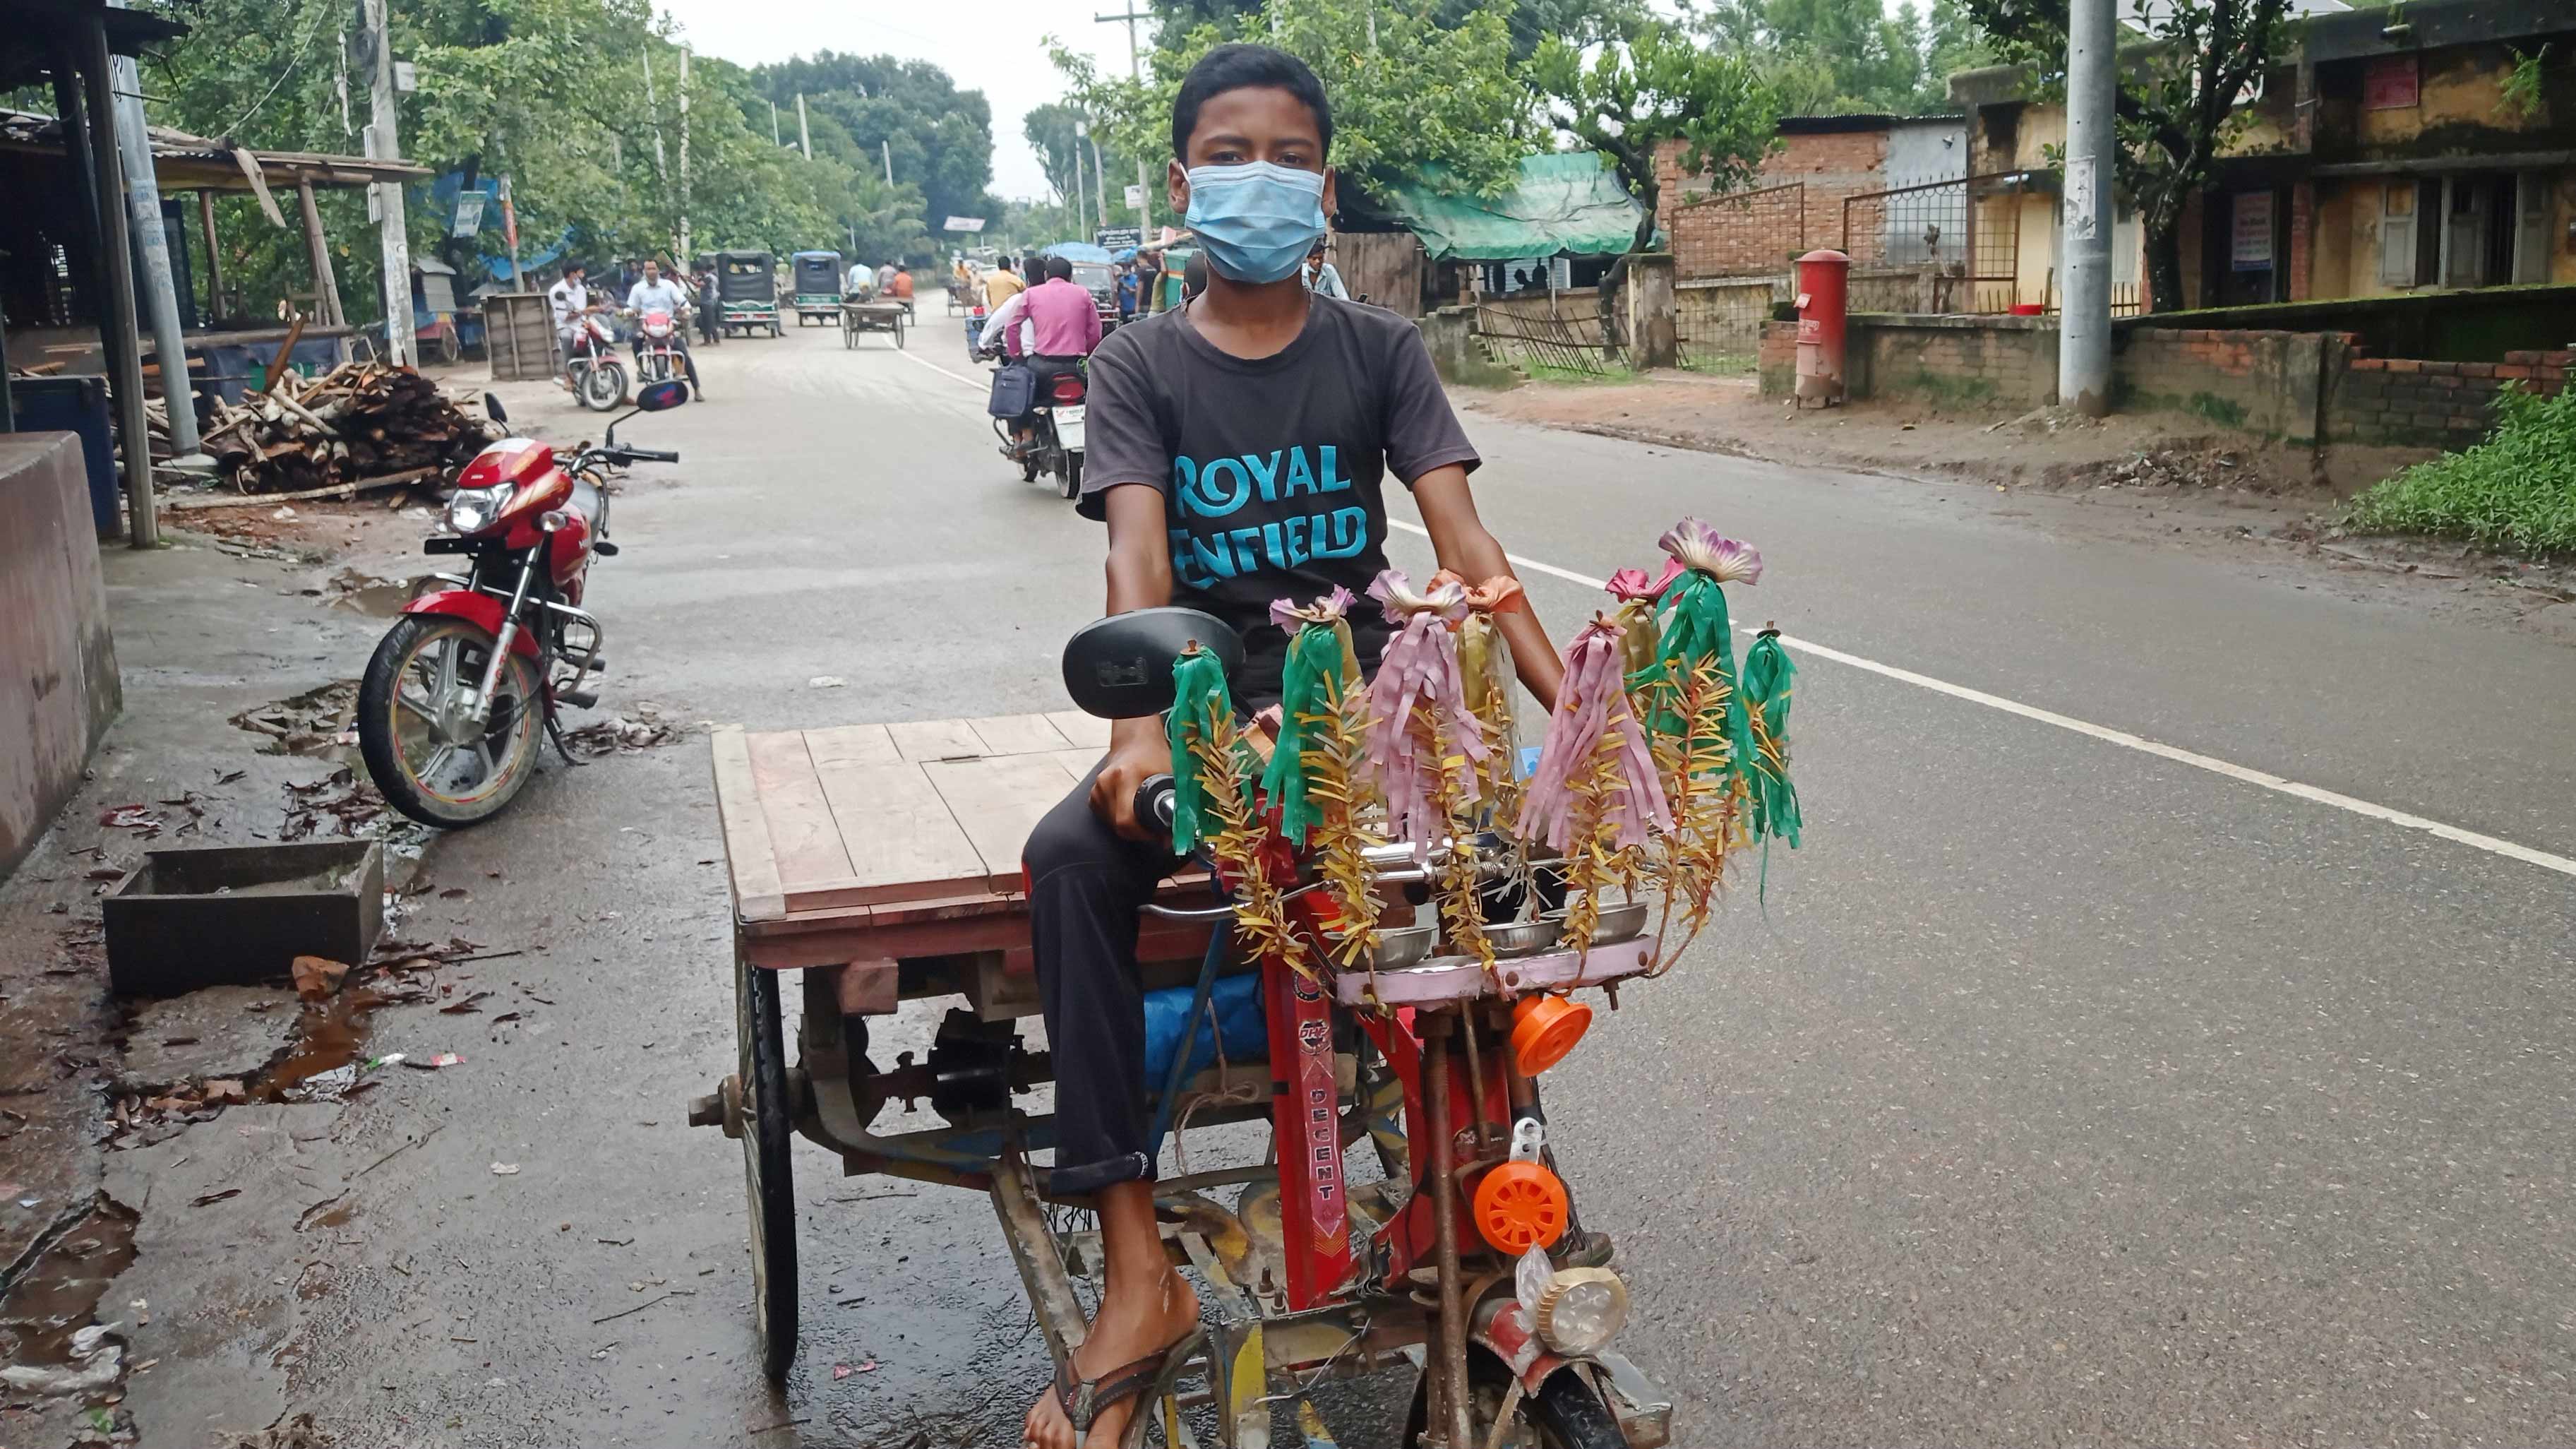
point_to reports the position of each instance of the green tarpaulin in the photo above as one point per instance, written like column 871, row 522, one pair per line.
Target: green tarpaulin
column 1564, row 203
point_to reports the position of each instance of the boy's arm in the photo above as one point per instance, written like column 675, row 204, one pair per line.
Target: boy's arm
column 1140, row 577
column 1464, row 546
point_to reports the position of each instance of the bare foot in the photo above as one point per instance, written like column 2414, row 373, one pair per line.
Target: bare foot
column 1130, row 1325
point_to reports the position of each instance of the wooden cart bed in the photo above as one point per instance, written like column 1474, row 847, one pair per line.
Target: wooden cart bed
column 872, row 843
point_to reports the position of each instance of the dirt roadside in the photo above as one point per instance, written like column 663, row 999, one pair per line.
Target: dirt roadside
column 2163, row 480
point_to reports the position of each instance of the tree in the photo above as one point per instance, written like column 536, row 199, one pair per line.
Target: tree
column 2180, row 89
column 1655, row 86
column 1835, row 57
column 1062, row 153
column 910, row 112
column 1413, row 102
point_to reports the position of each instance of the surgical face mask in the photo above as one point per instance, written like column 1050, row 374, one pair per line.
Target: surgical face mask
column 1258, row 220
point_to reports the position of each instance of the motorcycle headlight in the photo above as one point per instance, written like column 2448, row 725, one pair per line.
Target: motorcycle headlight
column 1581, row 1310
column 472, row 510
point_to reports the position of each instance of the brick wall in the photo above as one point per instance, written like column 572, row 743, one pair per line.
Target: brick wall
column 2303, row 207
column 1727, row 238
column 1776, row 359
column 1724, row 313
column 2402, row 400
column 2262, row 381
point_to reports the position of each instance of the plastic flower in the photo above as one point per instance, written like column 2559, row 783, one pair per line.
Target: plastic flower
column 1698, row 547
column 1630, row 585
column 1393, row 588
column 1326, row 610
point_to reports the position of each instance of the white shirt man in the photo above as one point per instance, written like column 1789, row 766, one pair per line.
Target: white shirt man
column 655, row 294
column 569, row 298
column 859, row 282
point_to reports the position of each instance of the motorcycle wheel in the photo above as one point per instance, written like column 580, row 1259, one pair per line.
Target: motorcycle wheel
column 1564, row 1414
column 1068, row 477
column 768, row 1110
column 603, row 385
column 427, row 760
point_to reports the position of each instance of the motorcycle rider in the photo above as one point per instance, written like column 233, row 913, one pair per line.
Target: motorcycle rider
column 1063, row 326
column 655, row 294
column 570, row 299
column 1256, row 378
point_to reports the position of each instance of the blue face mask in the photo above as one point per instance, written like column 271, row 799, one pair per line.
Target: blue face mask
column 1258, row 220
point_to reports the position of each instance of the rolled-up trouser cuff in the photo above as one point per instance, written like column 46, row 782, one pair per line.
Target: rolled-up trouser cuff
column 1093, row 1176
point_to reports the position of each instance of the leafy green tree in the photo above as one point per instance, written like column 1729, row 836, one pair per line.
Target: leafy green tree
column 2180, row 83
column 1652, row 86
column 880, row 108
column 1049, row 129
column 1414, row 101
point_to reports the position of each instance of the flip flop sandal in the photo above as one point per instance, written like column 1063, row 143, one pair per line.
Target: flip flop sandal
column 1084, row 1400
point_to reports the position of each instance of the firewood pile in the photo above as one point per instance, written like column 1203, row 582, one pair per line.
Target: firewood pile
column 361, row 422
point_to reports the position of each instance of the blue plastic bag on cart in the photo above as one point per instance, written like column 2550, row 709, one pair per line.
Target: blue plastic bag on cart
column 1236, row 1002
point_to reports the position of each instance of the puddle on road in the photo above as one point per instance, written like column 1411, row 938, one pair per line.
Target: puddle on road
column 311, row 723
column 377, row 598
column 329, row 1051
column 59, row 1293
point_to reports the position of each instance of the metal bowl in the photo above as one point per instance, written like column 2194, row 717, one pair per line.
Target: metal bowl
column 1524, row 938
column 1406, row 946
column 1617, row 922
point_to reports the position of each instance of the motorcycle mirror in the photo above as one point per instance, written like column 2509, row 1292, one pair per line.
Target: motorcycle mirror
column 1121, row 667
column 492, row 409
column 662, row 396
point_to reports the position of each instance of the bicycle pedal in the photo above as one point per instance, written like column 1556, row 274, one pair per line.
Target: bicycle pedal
column 578, row 698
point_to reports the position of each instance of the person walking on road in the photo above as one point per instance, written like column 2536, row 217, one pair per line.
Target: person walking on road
column 1261, row 377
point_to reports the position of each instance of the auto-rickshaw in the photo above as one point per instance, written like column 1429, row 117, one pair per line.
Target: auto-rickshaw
column 817, row 287
column 747, row 292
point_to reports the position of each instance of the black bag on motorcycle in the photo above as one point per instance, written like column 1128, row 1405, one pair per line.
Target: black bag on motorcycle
column 1015, row 391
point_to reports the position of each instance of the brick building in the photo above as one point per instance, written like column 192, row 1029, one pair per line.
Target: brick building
column 1797, row 201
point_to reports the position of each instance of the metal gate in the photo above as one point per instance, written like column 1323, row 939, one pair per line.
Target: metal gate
column 1539, row 343
column 1969, row 228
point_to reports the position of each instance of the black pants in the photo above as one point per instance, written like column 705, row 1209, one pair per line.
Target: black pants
column 1086, row 884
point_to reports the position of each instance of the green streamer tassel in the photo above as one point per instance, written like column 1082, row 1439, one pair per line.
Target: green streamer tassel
column 1768, row 676
column 1199, row 694
column 1320, row 666
column 1696, row 628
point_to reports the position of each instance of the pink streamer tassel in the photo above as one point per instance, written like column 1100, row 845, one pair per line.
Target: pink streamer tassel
column 1593, row 703
column 1419, row 666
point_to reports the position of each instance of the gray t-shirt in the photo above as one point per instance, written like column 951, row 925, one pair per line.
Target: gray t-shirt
column 1271, row 469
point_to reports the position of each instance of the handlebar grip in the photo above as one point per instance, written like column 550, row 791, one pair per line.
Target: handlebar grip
column 652, row 455
column 1154, row 802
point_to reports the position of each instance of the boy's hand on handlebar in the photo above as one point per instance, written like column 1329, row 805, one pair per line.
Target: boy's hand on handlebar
column 1137, row 749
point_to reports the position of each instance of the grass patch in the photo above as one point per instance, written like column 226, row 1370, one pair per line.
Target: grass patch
column 2516, row 491
column 1724, row 364
column 1610, row 372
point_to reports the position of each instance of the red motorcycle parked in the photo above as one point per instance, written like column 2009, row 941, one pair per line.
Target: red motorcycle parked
column 449, row 710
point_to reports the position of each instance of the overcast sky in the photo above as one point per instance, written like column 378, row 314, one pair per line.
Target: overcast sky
column 994, row 46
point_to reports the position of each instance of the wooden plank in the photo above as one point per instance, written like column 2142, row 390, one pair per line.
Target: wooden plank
column 1017, row 734
column 998, row 801
column 935, row 739
column 802, row 834
column 757, row 895
column 851, row 744
column 902, row 841
column 1087, row 731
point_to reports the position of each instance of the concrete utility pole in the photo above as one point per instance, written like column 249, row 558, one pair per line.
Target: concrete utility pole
column 2084, row 320
column 384, row 143
column 152, row 246
column 1101, row 200
column 653, row 107
column 804, row 133
column 1135, row 71
column 1078, row 129
column 682, row 260
column 885, row 148
column 773, row 125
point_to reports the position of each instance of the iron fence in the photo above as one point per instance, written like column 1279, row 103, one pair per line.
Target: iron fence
column 1968, row 228
column 1740, row 233
column 1517, row 339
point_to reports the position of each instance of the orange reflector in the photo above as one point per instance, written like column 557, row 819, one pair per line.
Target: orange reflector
column 1544, row 1029
column 1520, row 1205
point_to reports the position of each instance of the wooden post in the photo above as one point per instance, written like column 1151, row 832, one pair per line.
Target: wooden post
column 117, row 323
column 325, row 283
column 214, row 254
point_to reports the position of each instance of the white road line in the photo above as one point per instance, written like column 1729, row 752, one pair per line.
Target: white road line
column 906, row 353
column 2488, row 843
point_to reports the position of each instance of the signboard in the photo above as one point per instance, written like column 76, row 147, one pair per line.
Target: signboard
column 1118, row 238
column 2390, row 83
column 1135, row 196
column 406, row 79
column 965, row 223
column 2083, row 199
column 2250, row 247
column 469, row 215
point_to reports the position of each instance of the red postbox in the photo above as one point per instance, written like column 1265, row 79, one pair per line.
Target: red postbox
column 1824, row 276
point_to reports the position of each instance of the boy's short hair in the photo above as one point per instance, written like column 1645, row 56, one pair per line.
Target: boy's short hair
column 1241, row 66
column 1059, row 269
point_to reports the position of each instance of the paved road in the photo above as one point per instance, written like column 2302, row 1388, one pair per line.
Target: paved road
column 2062, row 1091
